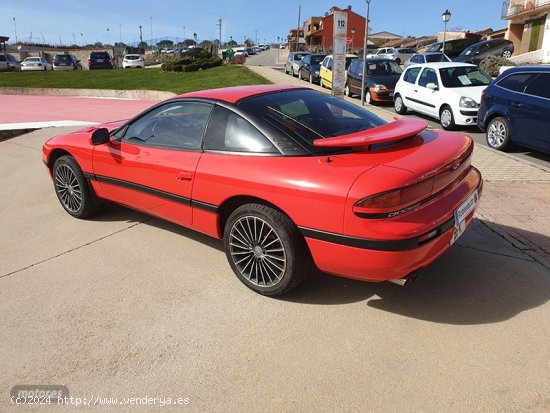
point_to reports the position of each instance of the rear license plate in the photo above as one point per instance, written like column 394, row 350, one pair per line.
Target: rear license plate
column 461, row 213
column 99, row 60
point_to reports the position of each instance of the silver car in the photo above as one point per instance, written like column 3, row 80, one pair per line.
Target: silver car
column 426, row 57
column 8, row 63
column 292, row 63
column 400, row 54
column 35, row 63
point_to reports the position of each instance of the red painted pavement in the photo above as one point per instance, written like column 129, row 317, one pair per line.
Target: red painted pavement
column 32, row 108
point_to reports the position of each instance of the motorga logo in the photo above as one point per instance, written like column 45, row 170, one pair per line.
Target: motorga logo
column 38, row 394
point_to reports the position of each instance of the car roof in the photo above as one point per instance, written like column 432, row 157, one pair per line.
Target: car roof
column 526, row 68
column 236, row 93
column 428, row 53
column 444, row 65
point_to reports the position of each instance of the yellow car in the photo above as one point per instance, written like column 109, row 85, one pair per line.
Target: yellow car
column 325, row 73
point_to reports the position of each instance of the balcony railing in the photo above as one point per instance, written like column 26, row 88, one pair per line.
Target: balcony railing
column 511, row 8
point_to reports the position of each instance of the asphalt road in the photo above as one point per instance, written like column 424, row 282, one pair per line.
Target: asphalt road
column 269, row 58
column 124, row 305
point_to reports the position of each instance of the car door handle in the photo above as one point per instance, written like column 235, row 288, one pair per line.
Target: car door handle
column 185, row 176
column 416, row 91
column 517, row 104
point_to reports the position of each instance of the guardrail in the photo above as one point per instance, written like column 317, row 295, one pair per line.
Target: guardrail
column 511, row 8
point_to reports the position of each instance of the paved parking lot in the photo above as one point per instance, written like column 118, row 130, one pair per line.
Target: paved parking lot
column 124, row 305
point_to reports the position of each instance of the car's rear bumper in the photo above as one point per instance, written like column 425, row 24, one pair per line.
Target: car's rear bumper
column 382, row 260
column 63, row 68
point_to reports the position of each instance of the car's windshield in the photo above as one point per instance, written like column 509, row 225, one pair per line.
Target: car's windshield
column 382, row 68
column 464, row 76
column 62, row 58
column 308, row 115
column 437, row 58
column 32, row 59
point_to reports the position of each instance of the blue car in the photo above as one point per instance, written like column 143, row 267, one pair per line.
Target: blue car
column 515, row 109
column 309, row 67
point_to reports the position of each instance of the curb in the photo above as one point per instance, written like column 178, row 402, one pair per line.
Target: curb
column 99, row 93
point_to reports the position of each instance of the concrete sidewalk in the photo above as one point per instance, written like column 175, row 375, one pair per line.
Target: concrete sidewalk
column 516, row 193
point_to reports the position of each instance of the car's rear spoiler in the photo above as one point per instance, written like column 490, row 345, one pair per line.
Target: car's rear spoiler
column 393, row 131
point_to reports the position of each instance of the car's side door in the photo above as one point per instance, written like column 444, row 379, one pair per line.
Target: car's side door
column 354, row 76
column 407, row 87
column 427, row 92
column 326, row 71
column 150, row 163
column 532, row 109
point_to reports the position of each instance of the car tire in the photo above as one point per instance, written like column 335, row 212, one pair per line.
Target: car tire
column 399, row 105
column 498, row 134
column 368, row 97
column 507, row 54
column 311, row 78
column 265, row 250
column 292, row 72
column 72, row 188
column 446, row 118
column 347, row 91
column 300, row 75
column 286, row 70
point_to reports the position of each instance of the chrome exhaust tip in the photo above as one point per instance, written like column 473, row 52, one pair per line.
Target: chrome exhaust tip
column 405, row 280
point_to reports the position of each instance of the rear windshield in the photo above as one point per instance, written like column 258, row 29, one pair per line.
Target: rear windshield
column 99, row 55
column 464, row 76
column 307, row 115
column 132, row 57
column 63, row 58
column 437, row 58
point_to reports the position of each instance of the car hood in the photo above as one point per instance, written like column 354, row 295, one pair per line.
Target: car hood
column 473, row 92
column 388, row 80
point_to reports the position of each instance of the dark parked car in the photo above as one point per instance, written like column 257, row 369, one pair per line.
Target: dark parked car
column 8, row 63
column 309, row 67
column 479, row 51
column 452, row 47
column 382, row 75
column 100, row 60
column 515, row 109
column 66, row 62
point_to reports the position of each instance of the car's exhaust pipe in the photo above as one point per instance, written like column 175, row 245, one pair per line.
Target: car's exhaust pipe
column 405, row 280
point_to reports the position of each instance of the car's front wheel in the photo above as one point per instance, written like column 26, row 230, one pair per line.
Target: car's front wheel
column 507, row 54
column 265, row 249
column 311, row 78
column 399, row 106
column 446, row 118
column 72, row 189
column 498, row 134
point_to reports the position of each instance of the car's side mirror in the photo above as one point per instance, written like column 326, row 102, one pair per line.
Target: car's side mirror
column 432, row 86
column 100, row 136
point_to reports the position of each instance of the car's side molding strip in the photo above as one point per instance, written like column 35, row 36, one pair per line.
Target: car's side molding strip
column 375, row 244
column 420, row 101
column 155, row 192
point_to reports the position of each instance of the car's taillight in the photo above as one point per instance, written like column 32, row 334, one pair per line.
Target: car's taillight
column 395, row 202
column 483, row 94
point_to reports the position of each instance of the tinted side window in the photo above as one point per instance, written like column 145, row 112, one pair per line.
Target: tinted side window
column 178, row 125
column 2, row 58
column 540, row 86
column 516, row 82
column 230, row 132
column 427, row 76
column 411, row 75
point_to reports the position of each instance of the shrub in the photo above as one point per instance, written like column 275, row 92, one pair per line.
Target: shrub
column 492, row 64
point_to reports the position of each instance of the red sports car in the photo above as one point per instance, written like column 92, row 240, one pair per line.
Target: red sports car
column 288, row 177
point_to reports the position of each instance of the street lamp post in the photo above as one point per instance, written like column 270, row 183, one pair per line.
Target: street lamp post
column 365, row 55
column 15, row 29
column 140, row 40
column 446, row 16
column 108, row 37
column 184, row 33
column 352, row 38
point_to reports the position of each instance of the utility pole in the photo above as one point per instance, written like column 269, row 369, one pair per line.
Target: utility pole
column 256, row 37
column 298, row 29
column 15, row 29
column 220, row 29
column 120, row 33
column 151, row 19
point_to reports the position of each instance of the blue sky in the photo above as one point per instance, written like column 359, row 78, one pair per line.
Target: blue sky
column 67, row 19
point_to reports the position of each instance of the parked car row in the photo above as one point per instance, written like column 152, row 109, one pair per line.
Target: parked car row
column 65, row 61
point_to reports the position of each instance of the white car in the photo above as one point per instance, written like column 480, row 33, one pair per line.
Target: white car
column 35, row 63
column 133, row 60
column 450, row 92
